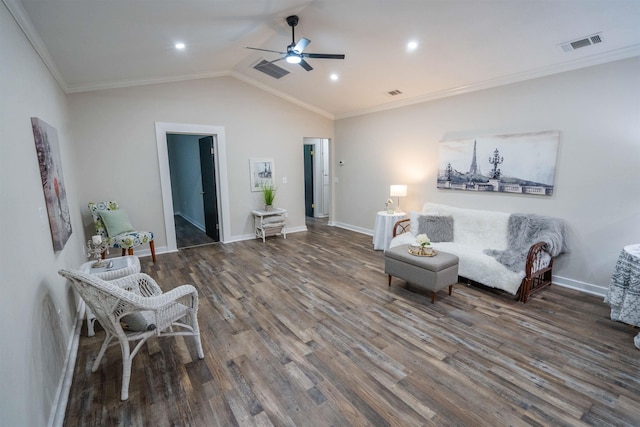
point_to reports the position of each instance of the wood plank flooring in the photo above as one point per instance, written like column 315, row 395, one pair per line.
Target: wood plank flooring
column 188, row 235
column 305, row 332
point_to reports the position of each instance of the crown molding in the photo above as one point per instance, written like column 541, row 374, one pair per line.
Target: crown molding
column 24, row 22
column 603, row 58
column 282, row 95
column 142, row 82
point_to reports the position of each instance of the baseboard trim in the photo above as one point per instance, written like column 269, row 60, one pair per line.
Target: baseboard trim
column 580, row 286
column 59, row 406
column 353, row 228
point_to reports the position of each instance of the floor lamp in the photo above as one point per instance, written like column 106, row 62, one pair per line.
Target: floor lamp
column 398, row 191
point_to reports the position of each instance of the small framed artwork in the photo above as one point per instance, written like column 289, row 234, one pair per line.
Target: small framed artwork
column 262, row 172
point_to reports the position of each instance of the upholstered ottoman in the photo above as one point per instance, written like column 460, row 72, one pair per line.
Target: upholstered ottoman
column 430, row 273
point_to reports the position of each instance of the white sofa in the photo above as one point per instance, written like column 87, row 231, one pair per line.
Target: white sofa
column 479, row 234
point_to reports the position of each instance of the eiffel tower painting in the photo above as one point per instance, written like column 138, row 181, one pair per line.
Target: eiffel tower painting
column 474, row 164
column 527, row 163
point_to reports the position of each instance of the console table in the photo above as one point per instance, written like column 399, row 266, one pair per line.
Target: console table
column 270, row 223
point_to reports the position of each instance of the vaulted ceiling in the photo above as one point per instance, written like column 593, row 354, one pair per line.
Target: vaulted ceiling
column 462, row 45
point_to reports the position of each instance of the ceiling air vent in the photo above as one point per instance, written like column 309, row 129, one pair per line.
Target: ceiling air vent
column 270, row 69
column 394, row 92
column 583, row 42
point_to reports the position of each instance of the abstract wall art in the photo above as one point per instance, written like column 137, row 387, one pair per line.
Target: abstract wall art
column 46, row 139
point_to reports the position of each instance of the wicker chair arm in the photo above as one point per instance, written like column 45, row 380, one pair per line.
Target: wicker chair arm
column 401, row 226
column 159, row 301
column 140, row 284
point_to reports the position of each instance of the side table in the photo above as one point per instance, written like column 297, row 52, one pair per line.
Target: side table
column 269, row 223
column 120, row 267
column 383, row 229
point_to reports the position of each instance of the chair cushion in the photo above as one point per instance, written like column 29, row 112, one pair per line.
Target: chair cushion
column 116, row 222
column 138, row 322
column 131, row 239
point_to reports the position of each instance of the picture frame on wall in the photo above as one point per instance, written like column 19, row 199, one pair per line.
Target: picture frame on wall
column 262, row 172
column 515, row 163
column 55, row 194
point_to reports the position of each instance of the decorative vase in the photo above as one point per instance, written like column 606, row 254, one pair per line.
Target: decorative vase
column 390, row 211
column 268, row 208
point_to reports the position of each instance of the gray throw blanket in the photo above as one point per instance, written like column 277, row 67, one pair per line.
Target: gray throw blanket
column 523, row 231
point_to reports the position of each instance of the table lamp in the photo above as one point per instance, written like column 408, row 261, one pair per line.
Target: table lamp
column 398, row 191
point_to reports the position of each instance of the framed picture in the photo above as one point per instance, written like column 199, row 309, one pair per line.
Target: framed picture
column 518, row 163
column 262, row 172
column 55, row 194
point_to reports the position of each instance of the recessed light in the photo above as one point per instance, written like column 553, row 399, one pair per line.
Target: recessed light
column 180, row 46
column 412, row 45
column 334, row 77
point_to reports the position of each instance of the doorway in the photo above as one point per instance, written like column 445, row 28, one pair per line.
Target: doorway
column 193, row 187
column 220, row 177
column 316, row 177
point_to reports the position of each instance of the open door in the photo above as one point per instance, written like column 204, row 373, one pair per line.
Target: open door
column 308, row 180
column 209, row 195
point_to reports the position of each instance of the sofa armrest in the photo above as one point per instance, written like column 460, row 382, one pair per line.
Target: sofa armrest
column 402, row 226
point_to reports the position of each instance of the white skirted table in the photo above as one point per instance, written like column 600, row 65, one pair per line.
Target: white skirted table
column 624, row 289
column 383, row 229
column 118, row 267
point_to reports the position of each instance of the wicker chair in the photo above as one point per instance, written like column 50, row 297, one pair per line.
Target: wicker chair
column 137, row 295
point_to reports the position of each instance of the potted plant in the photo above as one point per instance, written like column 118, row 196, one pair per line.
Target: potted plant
column 269, row 193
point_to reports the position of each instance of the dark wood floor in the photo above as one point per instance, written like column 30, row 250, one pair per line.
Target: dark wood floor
column 305, row 331
column 188, row 235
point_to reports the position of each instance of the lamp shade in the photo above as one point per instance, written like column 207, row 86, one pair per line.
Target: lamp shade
column 398, row 191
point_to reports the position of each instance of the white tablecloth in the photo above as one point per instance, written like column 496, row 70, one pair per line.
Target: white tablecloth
column 383, row 229
column 623, row 294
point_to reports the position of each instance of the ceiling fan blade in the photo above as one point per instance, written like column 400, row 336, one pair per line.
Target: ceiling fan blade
column 266, row 50
column 323, row 55
column 304, row 64
column 301, row 45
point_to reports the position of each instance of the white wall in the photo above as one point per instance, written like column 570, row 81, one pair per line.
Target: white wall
column 37, row 307
column 116, row 127
column 597, row 111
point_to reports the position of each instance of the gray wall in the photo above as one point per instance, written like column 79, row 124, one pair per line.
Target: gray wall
column 596, row 110
column 37, row 307
column 256, row 123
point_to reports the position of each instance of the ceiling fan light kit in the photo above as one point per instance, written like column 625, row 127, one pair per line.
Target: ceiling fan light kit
column 292, row 58
column 295, row 51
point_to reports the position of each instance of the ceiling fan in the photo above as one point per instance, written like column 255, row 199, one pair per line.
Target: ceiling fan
column 295, row 51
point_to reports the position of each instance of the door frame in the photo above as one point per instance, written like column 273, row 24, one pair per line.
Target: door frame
column 222, row 180
column 318, row 178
